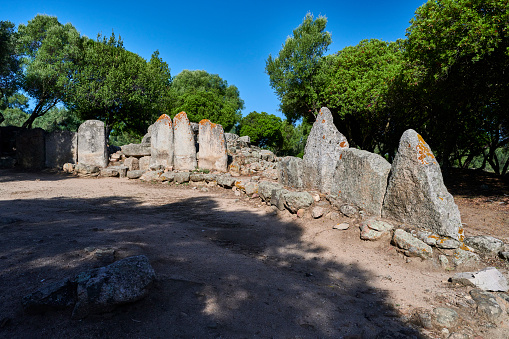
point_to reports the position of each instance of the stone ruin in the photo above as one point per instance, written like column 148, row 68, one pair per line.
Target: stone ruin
column 353, row 182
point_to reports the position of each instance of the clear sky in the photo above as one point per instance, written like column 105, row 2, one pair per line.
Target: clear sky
column 229, row 38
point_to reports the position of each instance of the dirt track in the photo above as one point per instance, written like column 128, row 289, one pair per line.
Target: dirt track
column 226, row 266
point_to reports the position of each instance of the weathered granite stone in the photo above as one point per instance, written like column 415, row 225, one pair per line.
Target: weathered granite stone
column 349, row 210
column 416, row 193
column 167, row 176
column 291, row 172
column 161, row 143
column 297, row 200
column 136, row 150
column 30, row 148
column 251, row 188
column 92, row 148
column 135, row 174
column 58, row 295
column 86, row 169
column 151, row 175
column 109, row 172
column 317, row 212
column 61, row 148
column 265, row 189
column 360, row 179
column 225, row 180
column 412, row 246
column 445, row 317
column 210, row 177
column 184, row 157
column 485, row 244
column 213, row 154
column 488, row 279
column 374, row 229
column 486, row 304
column 323, row 149
column 102, row 289
column 182, row 177
column 196, row 177
column 465, row 258
column 132, row 163
column 277, row 198
column 433, row 239
column 267, row 155
column 144, row 163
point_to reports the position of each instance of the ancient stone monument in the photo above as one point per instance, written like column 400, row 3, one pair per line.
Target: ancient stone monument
column 92, row 148
column 416, row 193
column 322, row 152
column 161, row 143
column 184, row 156
column 213, row 154
column 61, row 148
column 291, row 172
column 361, row 179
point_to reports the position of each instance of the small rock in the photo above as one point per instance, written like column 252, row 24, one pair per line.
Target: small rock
column 413, row 247
column 334, row 216
column 301, row 212
column 342, row 226
column 444, row 262
column 374, row 229
column 317, row 212
column 485, row 244
column 316, row 197
column 135, row 174
column 486, row 304
column 445, row 317
column 349, row 210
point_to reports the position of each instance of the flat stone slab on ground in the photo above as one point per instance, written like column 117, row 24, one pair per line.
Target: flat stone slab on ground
column 488, row 279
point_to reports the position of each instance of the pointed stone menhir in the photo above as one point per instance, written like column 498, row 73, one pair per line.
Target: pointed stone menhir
column 92, row 148
column 184, row 157
column 323, row 149
column 161, row 142
column 212, row 147
column 416, row 193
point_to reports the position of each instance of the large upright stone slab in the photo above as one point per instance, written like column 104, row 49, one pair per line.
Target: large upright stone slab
column 184, row 157
column 212, row 142
column 92, row 148
column 161, row 143
column 416, row 193
column 291, row 172
column 360, row 179
column 322, row 152
column 61, row 148
column 30, row 148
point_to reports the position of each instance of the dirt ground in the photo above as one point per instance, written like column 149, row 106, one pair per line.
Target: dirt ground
column 227, row 266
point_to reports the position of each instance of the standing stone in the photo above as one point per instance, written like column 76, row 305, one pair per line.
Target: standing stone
column 360, row 179
column 323, row 149
column 161, row 143
column 184, row 157
column 291, row 172
column 30, row 146
column 92, row 148
column 212, row 147
column 416, row 193
column 61, row 148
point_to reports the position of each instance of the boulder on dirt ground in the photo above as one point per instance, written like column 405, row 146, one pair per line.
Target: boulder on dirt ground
column 132, row 163
column 374, row 229
column 92, row 148
column 488, row 279
column 416, row 193
column 251, row 188
column 265, row 189
column 323, row 149
column 58, row 295
column 360, row 179
column 102, row 289
column 181, row 177
column 225, row 180
column 150, row 175
column 485, row 244
column 277, row 198
column 465, row 258
column 487, row 304
column 135, row 174
column 213, row 154
column 161, row 143
column 433, row 239
column 86, row 169
column 295, row 201
column 445, row 317
column 184, row 157
column 412, row 246
column 291, row 172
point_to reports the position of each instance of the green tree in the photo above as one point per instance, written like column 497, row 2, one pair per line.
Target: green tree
column 263, row 129
column 9, row 64
column 461, row 48
column 355, row 85
column 206, row 96
column 294, row 138
column 119, row 87
column 49, row 51
column 292, row 72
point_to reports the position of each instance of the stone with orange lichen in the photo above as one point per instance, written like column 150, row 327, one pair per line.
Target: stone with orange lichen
column 184, row 156
column 212, row 143
column 323, row 149
column 416, row 193
column 161, row 142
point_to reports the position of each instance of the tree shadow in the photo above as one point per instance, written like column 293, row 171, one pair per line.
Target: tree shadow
column 220, row 274
column 12, row 175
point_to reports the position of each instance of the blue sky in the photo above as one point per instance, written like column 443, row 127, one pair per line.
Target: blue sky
column 229, row 38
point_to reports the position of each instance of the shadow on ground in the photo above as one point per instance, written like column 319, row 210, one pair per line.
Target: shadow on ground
column 219, row 274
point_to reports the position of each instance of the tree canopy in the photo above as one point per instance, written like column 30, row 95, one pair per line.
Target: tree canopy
column 263, row 129
column 9, row 64
column 206, row 96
